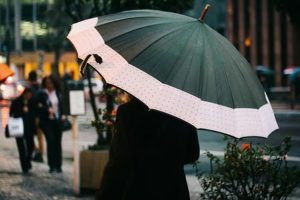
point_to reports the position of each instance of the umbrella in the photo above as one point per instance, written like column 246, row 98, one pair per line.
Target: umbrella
column 178, row 65
column 264, row 70
column 5, row 72
column 290, row 70
column 294, row 74
column 266, row 77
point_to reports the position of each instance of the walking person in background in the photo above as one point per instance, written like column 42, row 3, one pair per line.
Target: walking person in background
column 35, row 87
column 24, row 107
column 33, row 82
column 148, row 152
column 50, row 115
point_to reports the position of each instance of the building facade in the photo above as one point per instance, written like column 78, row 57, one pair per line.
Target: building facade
column 262, row 34
column 24, row 40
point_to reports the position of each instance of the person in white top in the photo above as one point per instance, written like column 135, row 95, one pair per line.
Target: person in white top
column 50, row 116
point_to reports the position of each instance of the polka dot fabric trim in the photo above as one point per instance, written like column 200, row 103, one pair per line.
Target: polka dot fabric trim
column 239, row 122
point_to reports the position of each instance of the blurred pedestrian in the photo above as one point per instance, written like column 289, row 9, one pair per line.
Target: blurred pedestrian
column 50, row 114
column 33, row 82
column 24, row 107
column 35, row 87
column 148, row 152
column 67, row 77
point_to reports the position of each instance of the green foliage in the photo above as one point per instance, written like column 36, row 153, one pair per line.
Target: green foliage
column 84, row 9
column 254, row 173
column 177, row 6
column 57, row 23
column 111, row 90
column 105, row 122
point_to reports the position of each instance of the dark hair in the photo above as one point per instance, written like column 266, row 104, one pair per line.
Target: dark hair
column 32, row 75
column 53, row 79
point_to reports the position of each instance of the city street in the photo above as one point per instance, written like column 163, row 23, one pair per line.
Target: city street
column 42, row 185
column 39, row 184
column 228, row 68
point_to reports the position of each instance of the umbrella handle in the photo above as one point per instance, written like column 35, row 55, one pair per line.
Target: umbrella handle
column 203, row 14
column 98, row 59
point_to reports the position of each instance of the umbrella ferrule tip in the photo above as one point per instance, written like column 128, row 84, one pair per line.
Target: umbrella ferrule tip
column 204, row 12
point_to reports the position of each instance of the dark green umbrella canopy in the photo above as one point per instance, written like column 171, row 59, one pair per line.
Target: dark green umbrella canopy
column 184, row 53
column 177, row 65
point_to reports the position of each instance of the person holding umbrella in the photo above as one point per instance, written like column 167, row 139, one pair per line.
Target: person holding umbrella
column 177, row 65
column 147, row 155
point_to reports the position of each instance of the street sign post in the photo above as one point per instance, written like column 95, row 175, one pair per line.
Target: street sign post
column 75, row 105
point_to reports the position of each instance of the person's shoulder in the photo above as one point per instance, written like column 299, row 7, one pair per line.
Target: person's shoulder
column 128, row 107
column 134, row 106
column 123, row 107
column 179, row 124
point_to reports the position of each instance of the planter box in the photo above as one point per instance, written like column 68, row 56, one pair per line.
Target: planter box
column 92, row 164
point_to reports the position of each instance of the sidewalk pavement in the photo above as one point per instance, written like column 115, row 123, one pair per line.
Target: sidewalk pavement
column 284, row 107
column 40, row 184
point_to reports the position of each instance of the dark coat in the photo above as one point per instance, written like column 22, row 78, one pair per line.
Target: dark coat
column 16, row 110
column 147, row 155
column 43, row 105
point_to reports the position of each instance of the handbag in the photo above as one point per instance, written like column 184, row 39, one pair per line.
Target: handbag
column 65, row 125
column 6, row 131
column 15, row 127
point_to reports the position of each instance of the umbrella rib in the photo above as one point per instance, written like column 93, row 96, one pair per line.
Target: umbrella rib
column 234, row 106
column 177, row 18
column 230, row 89
column 227, row 80
column 193, row 55
column 242, row 75
column 213, row 73
column 173, row 68
column 122, row 35
column 200, row 90
column 140, row 28
column 204, row 72
column 140, row 17
column 154, row 67
column 249, row 88
column 155, row 41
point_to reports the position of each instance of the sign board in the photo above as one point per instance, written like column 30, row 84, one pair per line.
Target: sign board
column 73, row 98
column 77, row 104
